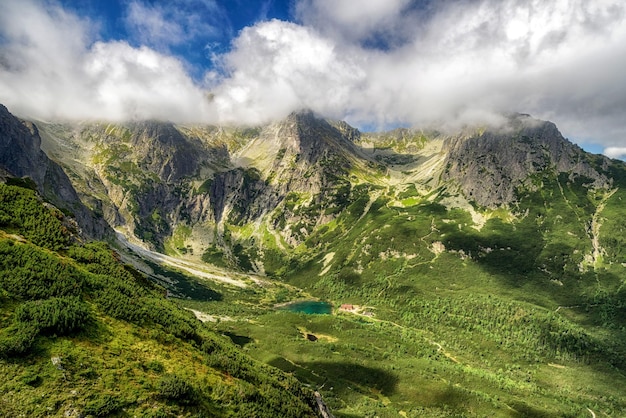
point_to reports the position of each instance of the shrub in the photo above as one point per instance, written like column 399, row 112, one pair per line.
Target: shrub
column 177, row 389
column 60, row 316
column 155, row 366
column 21, row 340
column 21, row 208
column 29, row 273
column 103, row 406
column 32, row 379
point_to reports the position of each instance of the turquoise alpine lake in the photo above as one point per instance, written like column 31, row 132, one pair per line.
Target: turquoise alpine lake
column 309, row 307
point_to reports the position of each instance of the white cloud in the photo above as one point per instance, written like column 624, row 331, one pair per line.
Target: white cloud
column 385, row 62
column 151, row 25
column 165, row 24
column 276, row 67
column 353, row 21
column 459, row 61
column 615, row 152
column 55, row 71
column 140, row 83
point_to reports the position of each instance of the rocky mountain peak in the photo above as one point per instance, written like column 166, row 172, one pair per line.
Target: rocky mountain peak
column 163, row 132
column 297, row 173
column 490, row 164
column 299, row 142
column 349, row 132
column 312, row 135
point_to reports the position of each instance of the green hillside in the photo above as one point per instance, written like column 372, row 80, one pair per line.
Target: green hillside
column 82, row 334
column 521, row 314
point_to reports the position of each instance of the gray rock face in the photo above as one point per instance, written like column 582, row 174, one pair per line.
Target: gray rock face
column 489, row 166
column 21, row 156
column 242, row 194
column 302, row 155
column 20, row 152
column 350, row 133
column 313, row 162
column 165, row 151
column 151, row 172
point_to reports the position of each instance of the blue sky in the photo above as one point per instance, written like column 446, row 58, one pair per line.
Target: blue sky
column 371, row 62
column 225, row 19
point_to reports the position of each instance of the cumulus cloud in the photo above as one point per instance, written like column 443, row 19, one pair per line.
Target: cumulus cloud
column 460, row 61
column 362, row 22
column 139, row 83
column 276, row 67
column 52, row 69
column 615, row 152
column 150, row 24
column 384, row 62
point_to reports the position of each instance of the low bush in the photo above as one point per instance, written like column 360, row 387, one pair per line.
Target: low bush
column 19, row 340
column 103, row 406
column 54, row 316
column 177, row 389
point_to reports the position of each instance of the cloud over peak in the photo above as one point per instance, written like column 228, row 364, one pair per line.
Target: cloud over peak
column 384, row 62
column 275, row 67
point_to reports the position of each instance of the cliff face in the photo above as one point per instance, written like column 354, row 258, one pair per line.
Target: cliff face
column 303, row 158
column 489, row 166
column 21, row 156
column 147, row 169
column 299, row 153
column 165, row 151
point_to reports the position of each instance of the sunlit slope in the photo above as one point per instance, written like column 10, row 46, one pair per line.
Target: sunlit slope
column 525, row 303
column 82, row 334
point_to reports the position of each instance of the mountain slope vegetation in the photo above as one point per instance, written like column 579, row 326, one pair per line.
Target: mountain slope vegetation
column 476, row 273
column 84, row 335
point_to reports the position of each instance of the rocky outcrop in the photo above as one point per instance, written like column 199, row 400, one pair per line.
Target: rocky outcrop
column 21, row 156
column 165, row 151
column 349, row 132
column 489, row 166
column 242, row 195
column 307, row 162
column 140, row 175
column 151, row 176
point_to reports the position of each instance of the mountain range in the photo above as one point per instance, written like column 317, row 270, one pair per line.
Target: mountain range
column 480, row 270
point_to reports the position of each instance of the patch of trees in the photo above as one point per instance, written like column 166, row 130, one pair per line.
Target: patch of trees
column 22, row 210
column 263, row 390
column 28, row 273
column 54, row 316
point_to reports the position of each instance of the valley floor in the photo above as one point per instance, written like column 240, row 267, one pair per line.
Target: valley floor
column 376, row 361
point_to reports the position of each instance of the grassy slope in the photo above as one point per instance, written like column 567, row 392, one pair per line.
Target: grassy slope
column 81, row 333
column 509, row 320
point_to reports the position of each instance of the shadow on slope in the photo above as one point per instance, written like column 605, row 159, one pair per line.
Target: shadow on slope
column 345, row 377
